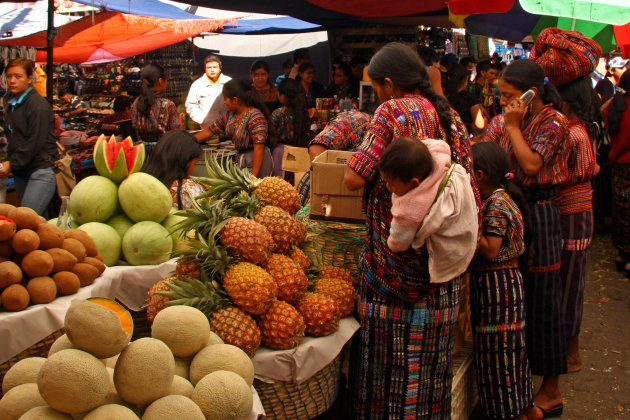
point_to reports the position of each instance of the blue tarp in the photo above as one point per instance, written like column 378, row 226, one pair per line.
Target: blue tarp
column 149, row 8
column 274, row 25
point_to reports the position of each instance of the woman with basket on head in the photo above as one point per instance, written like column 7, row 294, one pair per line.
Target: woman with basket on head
column 32, row 148
column 401, row 365
column 152, row 115
column 535, row 136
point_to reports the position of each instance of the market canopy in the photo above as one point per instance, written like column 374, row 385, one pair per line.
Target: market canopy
column 272, row 25
column 148, row 8
column 109, row 36
column 25, row 21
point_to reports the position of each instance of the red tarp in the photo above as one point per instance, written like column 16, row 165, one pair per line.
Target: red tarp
column 468, row 7
column 380, row 8
column 622, row 36
column 109, row 36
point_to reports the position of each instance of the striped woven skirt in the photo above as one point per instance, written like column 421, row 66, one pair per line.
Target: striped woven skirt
column 401, row 365
column 621, row 208
column 504, row 379
column 546, row 344
column 577, row 235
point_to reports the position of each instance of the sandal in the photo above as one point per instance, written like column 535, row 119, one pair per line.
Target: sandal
column 555, row 411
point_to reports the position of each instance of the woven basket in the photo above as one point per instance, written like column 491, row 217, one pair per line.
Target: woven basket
column 39, row 349
column 464, row 395
column 283, row 400
column 332, row 243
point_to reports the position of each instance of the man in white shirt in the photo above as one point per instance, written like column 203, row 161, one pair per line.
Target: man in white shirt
column 204, row 103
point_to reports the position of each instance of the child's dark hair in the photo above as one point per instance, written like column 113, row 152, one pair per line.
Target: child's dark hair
column 526, row 74
column 406, row 158
column 121, row 103
column 237, row 88
column 618, row 105
column 296, row 107
column 171, row 157
column 582, row 99
column 493, row 161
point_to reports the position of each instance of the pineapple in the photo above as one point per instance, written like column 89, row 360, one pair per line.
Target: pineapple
column 299, row 230
column 155, row 301
column 289, row 277
column 332, row 272
column 250, row 287
column 301, row 259
column 340, row 290
column 320, row 312
column 237, row 328
column 248, row 238
column 282, row 326
column 281, row 226
column 227, row 181
column 187, row 268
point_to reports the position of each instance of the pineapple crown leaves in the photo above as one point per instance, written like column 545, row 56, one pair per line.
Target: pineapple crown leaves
column 245, row 205
column 205, row 217
column 225, row 179
column 193, row 292
column 213, row 257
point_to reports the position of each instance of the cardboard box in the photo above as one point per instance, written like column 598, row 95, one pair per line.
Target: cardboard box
column 296, row 159
column 330, row 199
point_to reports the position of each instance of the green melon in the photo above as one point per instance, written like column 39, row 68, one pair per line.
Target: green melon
column 94, row 199
column 147, row 243
column 169, row 223
column 107, row 241
column 144, row 198
column 121, row 223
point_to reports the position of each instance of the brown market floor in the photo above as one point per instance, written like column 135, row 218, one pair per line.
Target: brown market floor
column 601, row 390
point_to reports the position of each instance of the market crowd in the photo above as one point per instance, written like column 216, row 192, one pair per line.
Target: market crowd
column 488, row 176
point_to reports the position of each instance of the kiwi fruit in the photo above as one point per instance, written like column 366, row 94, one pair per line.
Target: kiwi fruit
column 24, row 217
column 25, row 241
column 75, row 247
column 62, row 259
column 67, row 283
column 37, row 263
column 10, row 273
column 96, row 263
column 42, row 289
column 50, row 236
column 84, row 238
column 87, row 273
column 7, row 229
column 15, row 298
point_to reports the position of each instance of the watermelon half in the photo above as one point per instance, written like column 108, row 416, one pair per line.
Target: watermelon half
column 117, row 160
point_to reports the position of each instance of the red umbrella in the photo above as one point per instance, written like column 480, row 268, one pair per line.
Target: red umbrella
column 110, row 36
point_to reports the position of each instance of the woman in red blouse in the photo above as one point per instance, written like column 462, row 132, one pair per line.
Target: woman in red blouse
column 535, row 137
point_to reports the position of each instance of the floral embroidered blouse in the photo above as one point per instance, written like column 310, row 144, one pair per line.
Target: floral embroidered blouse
column 245, row 132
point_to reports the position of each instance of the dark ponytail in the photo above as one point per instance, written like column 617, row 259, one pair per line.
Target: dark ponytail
column 493, row 161
column 580, row 98
column 618, row 105
column 151, row 73
column 296, row 106
column 526, row 74
column 237, row 88
column 404, row 67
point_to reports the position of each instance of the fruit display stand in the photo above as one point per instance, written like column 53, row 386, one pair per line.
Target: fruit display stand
column 303, row 382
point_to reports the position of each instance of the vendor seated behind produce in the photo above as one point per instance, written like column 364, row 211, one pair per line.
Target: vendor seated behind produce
column 172, row 162
column 78, row 110
column 113, row 124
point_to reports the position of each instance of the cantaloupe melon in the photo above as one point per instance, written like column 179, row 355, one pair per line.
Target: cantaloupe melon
column 45, row 412
column 19, row 400
column 23, row 372
column 223, row 395
column 99, row 326
column 144, row 371
column 181, row 367
column 111, row 412
column 173, row 407
column 61, row 343
column 181, row 386
column 184, row 329
column 73, row 381
column 214, row 339
column 221, row 357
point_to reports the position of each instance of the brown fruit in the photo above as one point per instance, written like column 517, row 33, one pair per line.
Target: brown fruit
column 63, row 260
column 37, row 263
column 24, row 217
column 50, row 236
column 87, row 273
column 25, row 241
column 15, row 298
column 6, row 250
column 84, row 238
column 42, row 220
column 99, row 257
column 7, row 228
column 5, row 209
column 67, row 283
column 10, row 273
column 42, row 289
column 75, row 247
column 96, row 263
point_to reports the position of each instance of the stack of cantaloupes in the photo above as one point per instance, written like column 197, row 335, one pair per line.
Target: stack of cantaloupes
column 95, row 372
column 39, row 262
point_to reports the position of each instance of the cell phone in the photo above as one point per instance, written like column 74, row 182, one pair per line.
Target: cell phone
column 528, row 96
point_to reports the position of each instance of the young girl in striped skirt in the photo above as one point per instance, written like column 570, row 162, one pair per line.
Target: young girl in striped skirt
column 497, row 299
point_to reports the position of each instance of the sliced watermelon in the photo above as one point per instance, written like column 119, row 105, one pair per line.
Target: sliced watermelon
column 117, row 160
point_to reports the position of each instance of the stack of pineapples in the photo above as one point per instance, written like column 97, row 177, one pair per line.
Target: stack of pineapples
column 244, row 267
